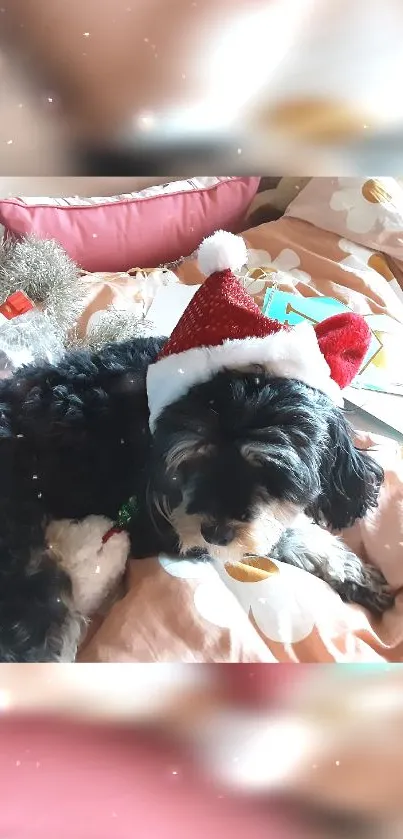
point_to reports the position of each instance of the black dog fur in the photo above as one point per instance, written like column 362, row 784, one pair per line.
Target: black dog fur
column 74, row 441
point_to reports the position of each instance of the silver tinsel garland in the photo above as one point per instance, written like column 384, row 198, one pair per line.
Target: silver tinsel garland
column 46, row 274
column 112, row 325
column 52, row 281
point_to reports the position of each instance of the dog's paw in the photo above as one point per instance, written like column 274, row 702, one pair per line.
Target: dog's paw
column 371, row 591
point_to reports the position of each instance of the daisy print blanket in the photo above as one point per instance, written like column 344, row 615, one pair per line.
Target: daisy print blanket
column 340, row 238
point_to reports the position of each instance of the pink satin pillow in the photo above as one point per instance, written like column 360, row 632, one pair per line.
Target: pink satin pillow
column 141, row 229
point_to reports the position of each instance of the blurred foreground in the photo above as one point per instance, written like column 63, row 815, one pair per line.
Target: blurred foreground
column 292, row 752
column 145, row 86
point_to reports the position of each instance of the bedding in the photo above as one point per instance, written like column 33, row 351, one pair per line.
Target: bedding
column 311, row 262
column 264, row 611
column 367, row 210
column 272, row 198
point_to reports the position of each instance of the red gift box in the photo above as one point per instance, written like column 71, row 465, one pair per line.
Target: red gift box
column 16, row 304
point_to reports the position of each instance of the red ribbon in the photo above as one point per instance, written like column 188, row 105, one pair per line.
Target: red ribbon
column 109, row 533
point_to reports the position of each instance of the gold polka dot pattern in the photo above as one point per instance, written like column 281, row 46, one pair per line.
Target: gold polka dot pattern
column 375, row 193
column 253, row 569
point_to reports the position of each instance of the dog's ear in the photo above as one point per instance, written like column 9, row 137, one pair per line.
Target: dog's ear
column 350, row 479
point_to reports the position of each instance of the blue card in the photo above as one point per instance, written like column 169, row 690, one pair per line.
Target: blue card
column 292, row 309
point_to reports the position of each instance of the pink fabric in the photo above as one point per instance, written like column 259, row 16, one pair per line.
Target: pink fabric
column 368, row 211
column 81, row 782
column 143, row 230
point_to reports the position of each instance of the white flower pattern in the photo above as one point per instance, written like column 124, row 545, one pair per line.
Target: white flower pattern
column 213, row 601
column 284, row 603
column 287, row 262
column 285, row 606
column 357, row 259
column 366, row 202
column 371, row 265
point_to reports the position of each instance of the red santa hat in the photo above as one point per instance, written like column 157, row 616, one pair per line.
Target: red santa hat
column 223, row 328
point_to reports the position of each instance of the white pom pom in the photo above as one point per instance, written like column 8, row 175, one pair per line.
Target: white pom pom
column 221, row 251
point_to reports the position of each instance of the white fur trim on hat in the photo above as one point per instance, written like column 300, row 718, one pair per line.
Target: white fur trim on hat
column 293, row 354
column 221, row 251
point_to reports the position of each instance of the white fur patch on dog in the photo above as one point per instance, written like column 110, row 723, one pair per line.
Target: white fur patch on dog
column 95, row 568
column 292, row 354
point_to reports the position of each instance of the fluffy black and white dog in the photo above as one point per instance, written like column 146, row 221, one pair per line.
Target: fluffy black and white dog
column 241, row 464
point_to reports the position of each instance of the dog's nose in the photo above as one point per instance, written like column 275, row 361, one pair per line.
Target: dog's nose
column 217, row 534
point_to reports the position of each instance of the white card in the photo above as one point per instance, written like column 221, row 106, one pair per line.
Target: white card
column 169, row 305
column 384, row 408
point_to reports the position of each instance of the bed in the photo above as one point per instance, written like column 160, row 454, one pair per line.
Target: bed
column 319, row 237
